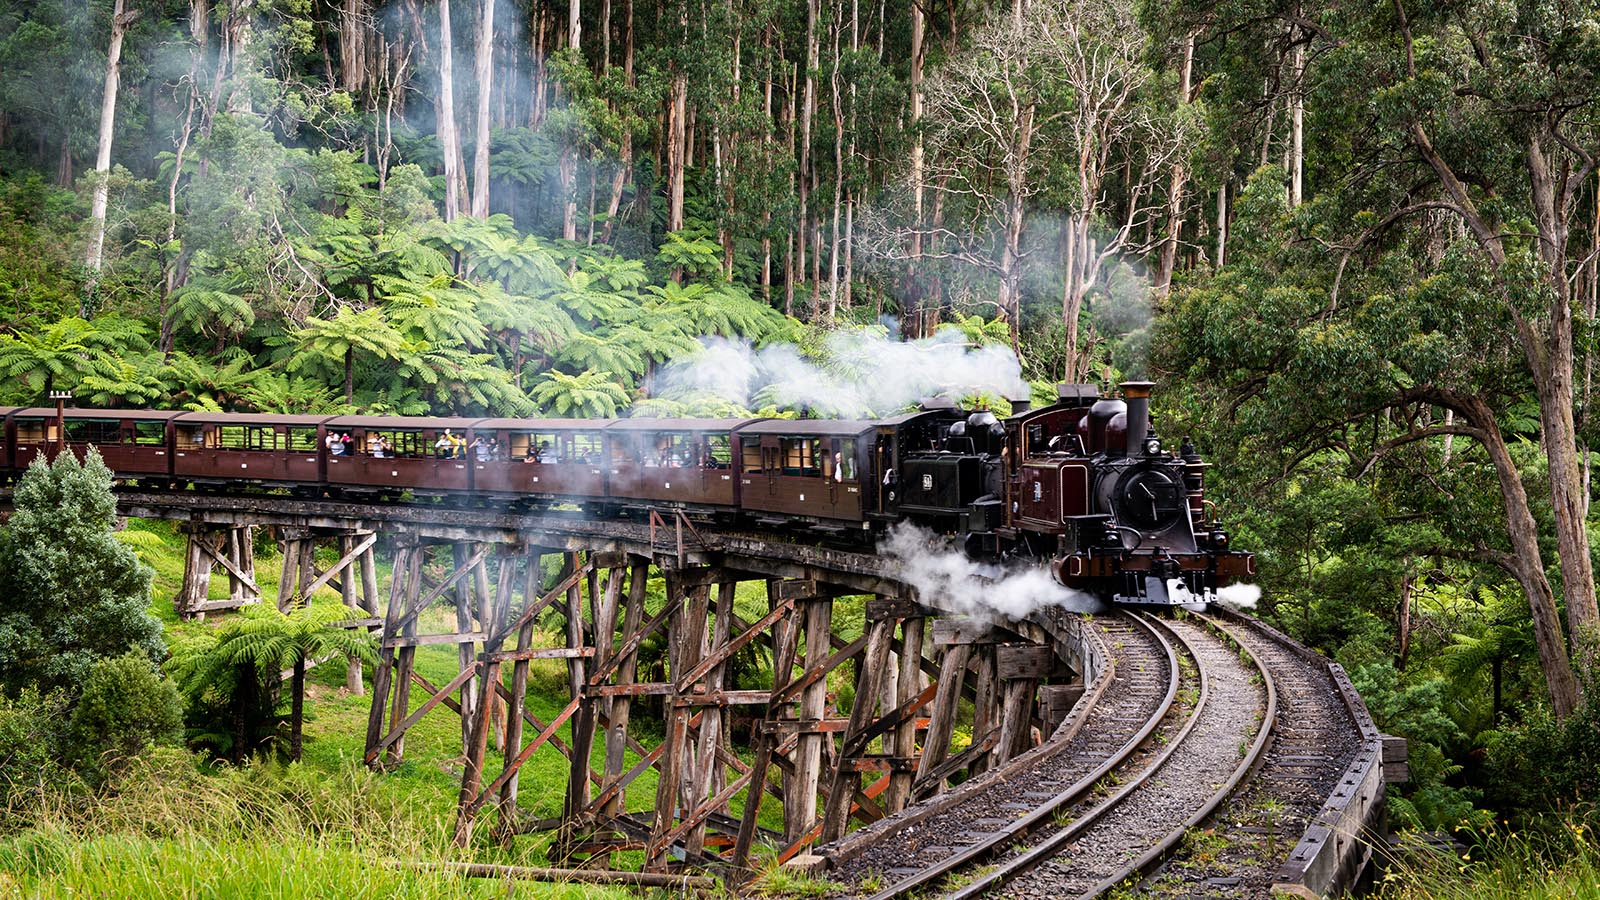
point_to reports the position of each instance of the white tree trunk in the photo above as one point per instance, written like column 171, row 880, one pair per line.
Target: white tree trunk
column 449, row 137
column 102, row 160
column 484, row 70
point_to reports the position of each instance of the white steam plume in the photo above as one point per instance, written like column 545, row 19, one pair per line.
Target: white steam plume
column 868, row 374
column 1239, row 596
column 946, row 579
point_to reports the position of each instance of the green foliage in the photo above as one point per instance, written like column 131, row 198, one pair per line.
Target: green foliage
column 231, row 675
column 126, row 707
column 70, row 593
column 32, row 775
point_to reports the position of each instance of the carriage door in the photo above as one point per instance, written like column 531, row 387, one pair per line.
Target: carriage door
column 772, row 461
column 831, row 459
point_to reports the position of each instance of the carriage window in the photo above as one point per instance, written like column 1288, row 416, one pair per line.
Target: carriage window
column 301, row 439
column 34, row 430
column 586, row 447
column 801, row 457
column 847, row 460
column 190, row 436
column 245, row 437
column 397, row 444
column 94, row 431
column 150, row 434
column 671, row 449
column 719, row 452
column 751, row 452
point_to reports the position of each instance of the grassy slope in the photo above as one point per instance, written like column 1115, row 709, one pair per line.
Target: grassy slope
column 204, row 859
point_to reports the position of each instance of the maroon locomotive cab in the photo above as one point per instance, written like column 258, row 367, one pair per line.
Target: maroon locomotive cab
column 809, row 467
column 261, row 449
column 399, row 453
column 675, row 462
column 543, row 458
column 1050, row 491
column 133, row 443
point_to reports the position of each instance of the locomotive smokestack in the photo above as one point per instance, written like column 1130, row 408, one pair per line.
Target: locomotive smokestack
column 1020, row 405
column 1137, row 395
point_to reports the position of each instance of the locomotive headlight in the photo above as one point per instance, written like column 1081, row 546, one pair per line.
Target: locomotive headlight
column 1152, row 447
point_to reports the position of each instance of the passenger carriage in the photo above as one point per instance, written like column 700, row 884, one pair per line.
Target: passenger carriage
column 219, row 448
column 812, row 468
column 676, row 462
column 393, row 454
column 133, row 442
column 548, row 459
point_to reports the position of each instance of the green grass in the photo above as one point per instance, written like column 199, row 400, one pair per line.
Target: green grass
column 173, row 828
column 1559, row 862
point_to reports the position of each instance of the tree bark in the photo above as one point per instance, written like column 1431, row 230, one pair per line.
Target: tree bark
column 120, row 20
column 1178, row 182
column 1526, row 562
column 353, row 30
column 808, row 105
column 484, row 70
column 449, row 137
column 914, row 292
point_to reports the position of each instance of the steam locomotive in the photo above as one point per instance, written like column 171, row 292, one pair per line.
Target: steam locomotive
column 1082, row 484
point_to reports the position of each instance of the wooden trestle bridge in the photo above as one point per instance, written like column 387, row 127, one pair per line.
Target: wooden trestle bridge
column 915, row 669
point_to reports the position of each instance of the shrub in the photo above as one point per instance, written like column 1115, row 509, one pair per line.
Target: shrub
column 31, row 776
column 126, row 708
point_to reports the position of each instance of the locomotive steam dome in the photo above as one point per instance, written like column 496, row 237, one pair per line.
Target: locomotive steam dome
column 1092, row 428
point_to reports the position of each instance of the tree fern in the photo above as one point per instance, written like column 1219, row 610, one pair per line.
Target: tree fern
column 588, row 395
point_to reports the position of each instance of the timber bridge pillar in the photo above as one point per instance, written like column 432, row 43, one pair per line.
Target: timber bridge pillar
column 767, row 700
column 722, row 700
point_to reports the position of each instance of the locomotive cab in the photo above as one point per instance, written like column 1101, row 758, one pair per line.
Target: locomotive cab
column 1122, row 516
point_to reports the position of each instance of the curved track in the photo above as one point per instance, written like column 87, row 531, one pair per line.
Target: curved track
column 1139, row 689
column 1099, row 830
column 1258, row 825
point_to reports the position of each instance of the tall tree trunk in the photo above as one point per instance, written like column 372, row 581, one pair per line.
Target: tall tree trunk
column 449, row 136
column 1526, row 561
column 1297, row 114
column 624, row 173
column 914, row 290
column 484, row 70
column 1549, row 347
column 120, row 20
column 575, row 25
column 838, row 172
column 1222, row 225
column 353, row 31
column 1178, row 183
column 808, row 107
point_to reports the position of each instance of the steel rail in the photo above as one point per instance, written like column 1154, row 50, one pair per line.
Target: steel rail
column 1252, row 761
column 1013, row 832
column 1050, row 846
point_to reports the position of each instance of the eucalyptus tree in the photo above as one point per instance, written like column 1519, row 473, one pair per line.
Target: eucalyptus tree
column 1296, row 354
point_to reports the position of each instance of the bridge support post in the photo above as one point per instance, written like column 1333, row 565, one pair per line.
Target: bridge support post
column 901, row 741
column 205, row 548
column 800, row 797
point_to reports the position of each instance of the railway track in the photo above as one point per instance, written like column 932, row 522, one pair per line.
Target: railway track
column 1254, row 830
column 1083, row 818
column 1140, row 688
